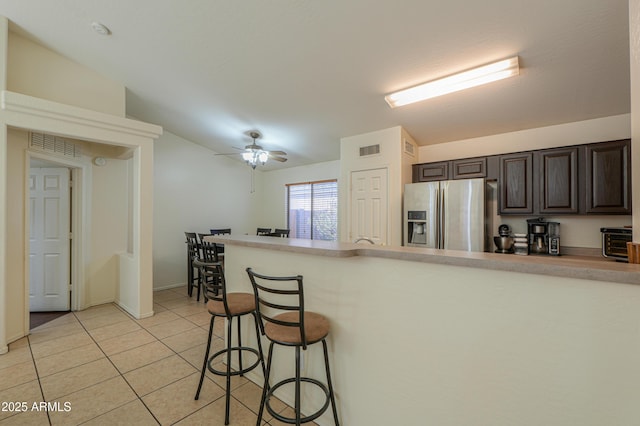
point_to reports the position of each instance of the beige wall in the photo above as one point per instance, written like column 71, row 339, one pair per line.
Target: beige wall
column 462, row 346
column 575, row 231
column 15, row 292
column 581, row 132
column 36, row 71
column 634, row 55
column 108, row 229
column 391, row 158
column 62, row 87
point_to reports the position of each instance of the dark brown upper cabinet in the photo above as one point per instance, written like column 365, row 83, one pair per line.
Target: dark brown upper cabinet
column 557, row 186
column 428, row 172
column 608, row 177
column 469, row 168
column 515, row 183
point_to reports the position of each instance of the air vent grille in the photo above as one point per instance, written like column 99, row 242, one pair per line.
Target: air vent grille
column 409, row 148
column 54, row 144
column 369, row 150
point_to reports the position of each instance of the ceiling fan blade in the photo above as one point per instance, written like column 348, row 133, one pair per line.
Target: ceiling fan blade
column 231, row 153
column 277, row 152
column 280, row 159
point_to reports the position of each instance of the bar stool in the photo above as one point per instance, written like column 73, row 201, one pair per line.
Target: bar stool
column 220, row 231
column 285, row 322
column 209, row 254
column 263, row 231
column 230, row 306
column 282, row 233
column 193, row 252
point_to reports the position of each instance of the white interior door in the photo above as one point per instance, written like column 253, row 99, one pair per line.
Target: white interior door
column 369, row 205
column 49, row 245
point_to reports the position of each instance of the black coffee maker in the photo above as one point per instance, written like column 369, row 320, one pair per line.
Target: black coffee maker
column 540, row 232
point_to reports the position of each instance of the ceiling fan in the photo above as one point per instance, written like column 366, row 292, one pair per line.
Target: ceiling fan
column 254, row 154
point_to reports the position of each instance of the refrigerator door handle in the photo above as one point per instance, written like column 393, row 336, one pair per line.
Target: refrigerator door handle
column 442, row 218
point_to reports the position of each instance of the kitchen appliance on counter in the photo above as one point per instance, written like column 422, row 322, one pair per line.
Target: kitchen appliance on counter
column 614, row 242
column 520, row 244
column 504, row 241
column 544, row 237
column 445, row 214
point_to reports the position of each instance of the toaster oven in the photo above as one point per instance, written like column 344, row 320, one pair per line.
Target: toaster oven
column 614, row 242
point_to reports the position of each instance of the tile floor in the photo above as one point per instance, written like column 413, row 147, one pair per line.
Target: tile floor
column 102, row 367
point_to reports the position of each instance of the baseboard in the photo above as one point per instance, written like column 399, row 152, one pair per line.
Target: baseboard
column 169, row 287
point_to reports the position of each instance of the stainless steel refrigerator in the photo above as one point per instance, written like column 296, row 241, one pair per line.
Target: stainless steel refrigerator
column 446, row 214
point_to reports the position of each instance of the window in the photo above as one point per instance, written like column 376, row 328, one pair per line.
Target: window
column 312, row 210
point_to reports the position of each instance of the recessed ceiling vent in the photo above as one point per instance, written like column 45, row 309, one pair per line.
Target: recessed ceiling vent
column 369, row 150
column 54, row 144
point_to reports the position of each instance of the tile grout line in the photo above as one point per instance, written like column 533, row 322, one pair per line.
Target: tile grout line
column 184, row 313
column 168, row 384
column 35, row 366
column 121, row 375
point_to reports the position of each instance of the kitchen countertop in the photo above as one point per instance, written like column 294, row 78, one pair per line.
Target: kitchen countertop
column 583, row 267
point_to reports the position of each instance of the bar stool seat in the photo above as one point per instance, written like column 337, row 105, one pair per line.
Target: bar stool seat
column 316, row 328
column 238, row 304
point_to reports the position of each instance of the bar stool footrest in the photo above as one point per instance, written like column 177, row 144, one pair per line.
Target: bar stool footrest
column 306, row 419
column 236, row 372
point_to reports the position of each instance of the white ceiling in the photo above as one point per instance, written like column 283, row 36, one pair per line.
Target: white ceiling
column 307, row 72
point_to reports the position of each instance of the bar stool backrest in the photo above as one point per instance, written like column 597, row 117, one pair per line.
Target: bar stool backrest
column 278, row 295
column 214, row 283
column 221, row 231
column 263, row 231
column 209, row 250
column 192, row 245
column 284, row 233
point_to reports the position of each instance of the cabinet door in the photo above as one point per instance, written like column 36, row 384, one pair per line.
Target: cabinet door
column 469, row 168
column 428, row 172
column 608, row 173
column 558, row 180
column 515, row 184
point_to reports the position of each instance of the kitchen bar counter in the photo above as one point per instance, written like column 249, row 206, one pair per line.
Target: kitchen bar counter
column 451, row 338
column 583, row 267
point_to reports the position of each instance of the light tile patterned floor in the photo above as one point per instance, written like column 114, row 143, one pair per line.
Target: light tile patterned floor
column 111, row 369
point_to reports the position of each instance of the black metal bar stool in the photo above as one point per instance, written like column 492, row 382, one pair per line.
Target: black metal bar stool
column 230, row 306
column 208, row 254
column 193, row 252
column 280, row 304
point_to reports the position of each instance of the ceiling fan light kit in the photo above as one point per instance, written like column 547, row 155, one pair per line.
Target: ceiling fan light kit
column 453, row 83
column 254, row 154
column 254, row 157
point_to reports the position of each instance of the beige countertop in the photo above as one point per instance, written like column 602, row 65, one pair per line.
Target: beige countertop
column 583, row 267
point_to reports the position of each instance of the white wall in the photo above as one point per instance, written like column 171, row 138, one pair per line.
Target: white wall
column 273, row 192
column 575, row 231
column 194, row 191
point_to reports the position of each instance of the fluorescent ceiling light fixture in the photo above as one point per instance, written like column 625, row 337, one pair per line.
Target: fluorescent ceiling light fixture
column 464, row 80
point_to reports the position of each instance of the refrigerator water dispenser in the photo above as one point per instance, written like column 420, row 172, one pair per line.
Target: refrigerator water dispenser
column 417, row 226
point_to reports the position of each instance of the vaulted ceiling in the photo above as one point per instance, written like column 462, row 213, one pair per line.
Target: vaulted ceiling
column 307, row 72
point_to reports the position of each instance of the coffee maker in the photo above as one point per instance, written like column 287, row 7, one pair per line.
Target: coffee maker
column 544, row 237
